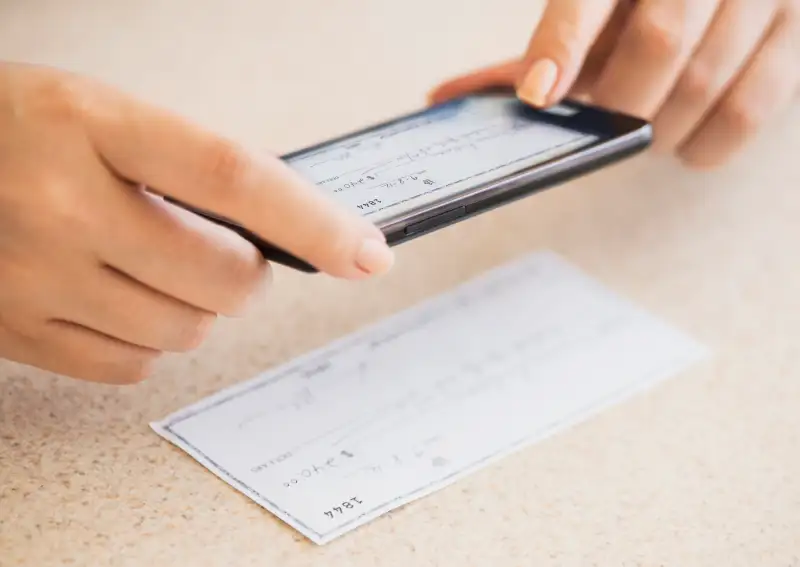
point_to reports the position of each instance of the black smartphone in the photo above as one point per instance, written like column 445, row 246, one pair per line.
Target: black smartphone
column 423, row 171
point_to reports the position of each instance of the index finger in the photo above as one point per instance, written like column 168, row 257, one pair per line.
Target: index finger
column 559, row 46
column 176, row 158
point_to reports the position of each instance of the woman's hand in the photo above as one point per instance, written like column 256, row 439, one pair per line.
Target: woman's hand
column 97, row 277
column 708, row 73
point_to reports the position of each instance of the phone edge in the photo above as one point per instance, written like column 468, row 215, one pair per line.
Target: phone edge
column 561, row 171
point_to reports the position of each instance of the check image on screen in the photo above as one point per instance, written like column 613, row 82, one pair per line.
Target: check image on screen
column 437, row 154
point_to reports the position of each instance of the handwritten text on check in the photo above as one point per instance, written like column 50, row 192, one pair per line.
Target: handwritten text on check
column 371, row 422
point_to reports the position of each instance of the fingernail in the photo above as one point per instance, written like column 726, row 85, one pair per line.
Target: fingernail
column 538, row 82
column 374, row 257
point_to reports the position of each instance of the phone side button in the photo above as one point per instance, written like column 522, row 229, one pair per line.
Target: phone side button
column 436, row 221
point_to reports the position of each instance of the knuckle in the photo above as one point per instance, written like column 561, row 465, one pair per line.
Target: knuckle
column 242, row 265
column 65, row 215
column 739, row 115
column 125, row 373
column 57, row 98
column 246, row 274
column 257, row 277
column 697, row 84
column 45, row 204
column 659, row 38
column 65, row 209
column 226, row 163
column 52, row 204
column 193, row 330
column 563, row 39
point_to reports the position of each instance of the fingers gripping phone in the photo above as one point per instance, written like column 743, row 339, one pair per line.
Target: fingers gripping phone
column 427, row 170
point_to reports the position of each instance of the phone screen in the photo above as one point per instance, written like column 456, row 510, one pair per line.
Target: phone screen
column 448, row 149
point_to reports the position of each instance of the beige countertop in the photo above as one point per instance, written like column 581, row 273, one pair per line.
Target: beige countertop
column 703, row 470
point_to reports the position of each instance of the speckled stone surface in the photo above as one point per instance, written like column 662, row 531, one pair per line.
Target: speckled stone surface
column 704, row 470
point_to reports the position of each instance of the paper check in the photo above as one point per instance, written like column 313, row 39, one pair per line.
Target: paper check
column 403, row 408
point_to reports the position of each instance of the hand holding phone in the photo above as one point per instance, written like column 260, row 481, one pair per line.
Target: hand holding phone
column 98, row 277
column 421, row 172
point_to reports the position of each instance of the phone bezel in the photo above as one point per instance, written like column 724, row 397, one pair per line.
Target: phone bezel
column 619, row 136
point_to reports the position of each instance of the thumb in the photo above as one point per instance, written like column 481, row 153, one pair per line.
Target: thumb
column 575, row 37
column 559, row 48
